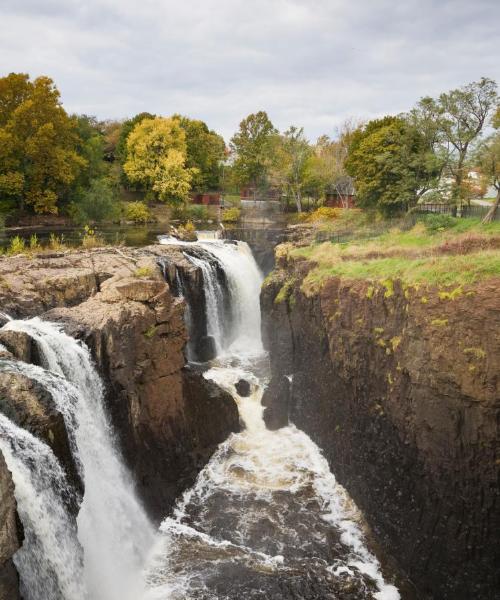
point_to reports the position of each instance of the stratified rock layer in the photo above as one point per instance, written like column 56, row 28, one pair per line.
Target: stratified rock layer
column 400, row 388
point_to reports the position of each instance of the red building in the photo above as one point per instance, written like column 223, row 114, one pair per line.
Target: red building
column 342, row 194
column 206, row 198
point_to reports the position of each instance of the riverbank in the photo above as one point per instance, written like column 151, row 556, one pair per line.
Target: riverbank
column 385, row 351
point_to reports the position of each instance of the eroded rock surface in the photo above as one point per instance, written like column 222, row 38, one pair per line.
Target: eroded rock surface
column 10, row 535
column 401, row 391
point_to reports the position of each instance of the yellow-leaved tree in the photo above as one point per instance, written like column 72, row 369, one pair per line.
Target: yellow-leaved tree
column 38, row 157
column 156, row 158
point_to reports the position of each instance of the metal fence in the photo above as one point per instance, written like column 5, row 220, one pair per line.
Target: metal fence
column 465, row 211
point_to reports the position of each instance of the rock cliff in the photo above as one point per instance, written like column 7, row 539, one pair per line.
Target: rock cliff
column 399, row 386
column 168, row 418
column 10, row 535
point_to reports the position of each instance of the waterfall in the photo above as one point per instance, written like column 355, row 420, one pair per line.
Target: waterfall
column 50, row 559
column 112, row 527
column 244, row 279
column 214, row 300
column 238, row 331
column 266, row 516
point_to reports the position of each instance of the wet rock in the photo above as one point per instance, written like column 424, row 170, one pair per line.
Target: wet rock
column 276, row 399
column 20, row 345
column 30, row 406
column 169, row 422
column 11, row 535
column 206, row 349
column 243, row 388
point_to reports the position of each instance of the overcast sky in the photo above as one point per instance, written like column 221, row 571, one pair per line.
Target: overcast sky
column 306, row 62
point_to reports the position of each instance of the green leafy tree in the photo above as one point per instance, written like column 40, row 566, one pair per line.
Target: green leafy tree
column 390, row 162
column 156, row 159
column 460, row 116
column 205, row 152
column 254, row 145
column 96, row 203
column 290, row 170
column 488, row 159
column 38, row 141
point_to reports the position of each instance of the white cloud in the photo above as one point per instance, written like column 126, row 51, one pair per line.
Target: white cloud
column 310, row 62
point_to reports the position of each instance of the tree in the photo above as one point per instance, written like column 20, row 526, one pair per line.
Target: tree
column 488, row 159
column 290, row 168
column 460, row 116
column 205, row 152
column 389, row 159
column 328, row 168
column 156, row 159
column 38, row 155
column 121, row 151
column 253, row 146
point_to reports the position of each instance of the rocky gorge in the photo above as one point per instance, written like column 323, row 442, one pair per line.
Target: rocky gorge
column 168, row 418
column 399, row 386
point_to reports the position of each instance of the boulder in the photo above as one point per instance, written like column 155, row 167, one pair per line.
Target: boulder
column 243, row 388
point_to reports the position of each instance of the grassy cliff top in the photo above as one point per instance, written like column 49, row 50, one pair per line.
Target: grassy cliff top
column 435, row 250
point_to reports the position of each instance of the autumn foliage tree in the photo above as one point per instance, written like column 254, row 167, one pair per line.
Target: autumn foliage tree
column 156, row 159
column 38, row 144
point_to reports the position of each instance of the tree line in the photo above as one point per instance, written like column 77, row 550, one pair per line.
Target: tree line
column 53, row 162
column 437, row 151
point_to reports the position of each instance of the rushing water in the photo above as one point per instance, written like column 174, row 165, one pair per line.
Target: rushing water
column 266, row 518
column 113, row 529
column 50, row 559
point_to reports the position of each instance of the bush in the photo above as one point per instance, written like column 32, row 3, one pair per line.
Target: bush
column 438, row 222
column 324, row 213
column 56, row 242
column 137, row 212
column 198, row 211
column 231, row 215
column 17, row 246
column 91, row 239
column 96, row 204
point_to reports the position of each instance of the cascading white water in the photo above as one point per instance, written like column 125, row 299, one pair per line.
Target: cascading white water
column 260, row 520
column 244, row 279
column 213, row 301
column 112, row 526
column 50, row 559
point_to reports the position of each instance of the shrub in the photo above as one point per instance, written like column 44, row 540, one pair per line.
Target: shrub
column 56, row 242
column 198, row 211
column 145, row 272
column 137, row 212
column 438, row 222
column 96, row 204
column 324, row 213
column 17, row 246
column 91, row 239
column 231, row 215
column 34, row 243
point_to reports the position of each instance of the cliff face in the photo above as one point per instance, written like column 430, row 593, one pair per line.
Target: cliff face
column 400, row 388
column 168, row 419
column 10, row 535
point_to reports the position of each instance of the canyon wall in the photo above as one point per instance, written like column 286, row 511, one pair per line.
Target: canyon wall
column 399, row 386
column 167, row 417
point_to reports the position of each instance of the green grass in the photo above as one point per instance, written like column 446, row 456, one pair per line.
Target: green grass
column 440, row 270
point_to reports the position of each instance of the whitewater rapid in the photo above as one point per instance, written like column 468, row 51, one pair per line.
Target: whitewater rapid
column 266, row 510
